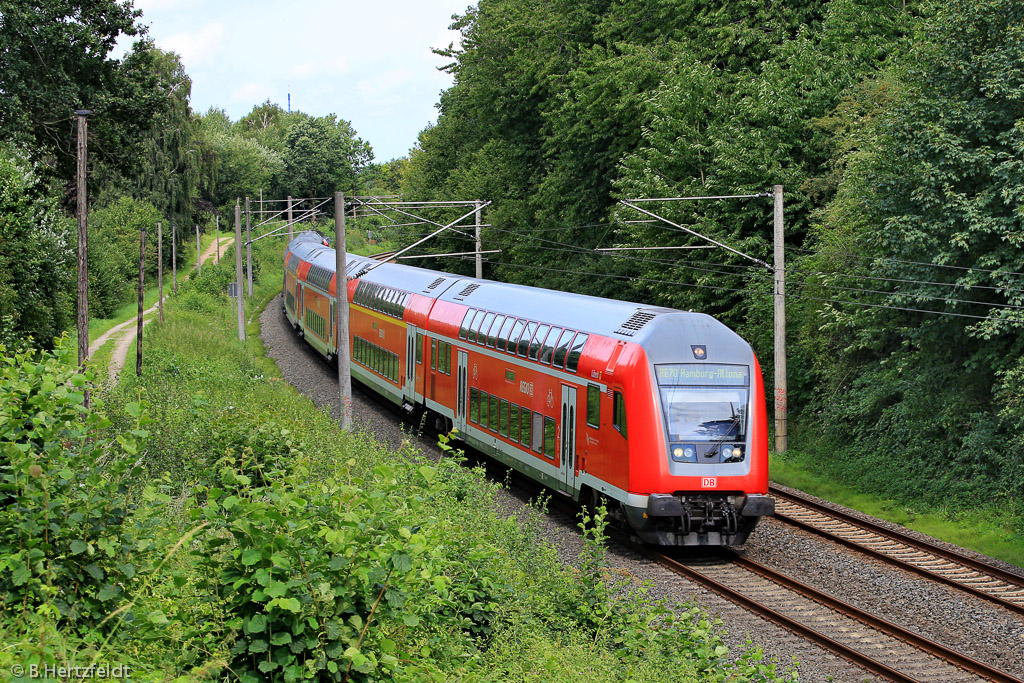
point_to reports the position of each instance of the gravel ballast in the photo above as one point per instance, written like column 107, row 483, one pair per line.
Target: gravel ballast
column 972, row 626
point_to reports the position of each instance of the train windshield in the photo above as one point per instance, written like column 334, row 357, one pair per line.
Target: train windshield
column 704, row 413
column 704, row 401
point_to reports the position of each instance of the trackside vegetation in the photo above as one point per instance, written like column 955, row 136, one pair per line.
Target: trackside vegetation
column 205, row 522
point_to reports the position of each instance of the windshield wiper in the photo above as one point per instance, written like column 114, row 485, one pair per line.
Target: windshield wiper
column 737, row 420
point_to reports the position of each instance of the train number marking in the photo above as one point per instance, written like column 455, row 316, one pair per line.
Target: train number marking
column 526, row 388
column 551, row 398
column 709, row 483
column 380, row 333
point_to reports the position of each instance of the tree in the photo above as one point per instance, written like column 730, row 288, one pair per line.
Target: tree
column 37, row 261
column 54, row 60
column 323, row 155
column 933, row 175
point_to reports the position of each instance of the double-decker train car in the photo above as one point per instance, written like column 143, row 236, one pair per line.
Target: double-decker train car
column 657, row 412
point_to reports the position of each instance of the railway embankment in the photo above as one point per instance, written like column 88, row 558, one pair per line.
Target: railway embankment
column 214, row 520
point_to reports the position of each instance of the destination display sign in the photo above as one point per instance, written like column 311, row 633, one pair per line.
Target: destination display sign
column 703, row 374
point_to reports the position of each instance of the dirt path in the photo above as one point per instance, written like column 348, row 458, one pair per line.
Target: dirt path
column 124, row 333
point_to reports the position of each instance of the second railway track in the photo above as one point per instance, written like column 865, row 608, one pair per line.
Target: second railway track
column 879, row 646
column 940, row 564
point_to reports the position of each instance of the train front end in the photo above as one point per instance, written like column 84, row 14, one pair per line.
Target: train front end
column 702, row 468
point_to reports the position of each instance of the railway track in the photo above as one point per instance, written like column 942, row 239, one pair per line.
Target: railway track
column 893, row 547
column 877, row 645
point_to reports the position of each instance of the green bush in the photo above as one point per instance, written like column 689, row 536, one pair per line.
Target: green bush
column 69, row 544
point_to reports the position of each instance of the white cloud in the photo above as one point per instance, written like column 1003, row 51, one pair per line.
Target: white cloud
column 196, row 48
column 252, row 93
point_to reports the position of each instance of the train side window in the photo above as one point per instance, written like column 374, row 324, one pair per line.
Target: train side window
column 513, row 337
column 433, row 354
column 548, row 350
column 562, row 349
column 513, row 423
column 572, row 361
column 593, row 405
column 466, row 322
column 524, row 426
column 524, row 341
column 503, row 333
column 482, row 337
column 484, row 404
column 493, row 415
column 492, row 334
column 444, row 363
column 549, row 437
column 478, row 321
column 474, row 405
column 503, row 419
column 619, row 414
column 419, row 348
column 538, row 433
column 538, row 340
column 391, row 305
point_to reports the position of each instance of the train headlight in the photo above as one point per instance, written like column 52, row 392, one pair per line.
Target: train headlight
column 684, row 452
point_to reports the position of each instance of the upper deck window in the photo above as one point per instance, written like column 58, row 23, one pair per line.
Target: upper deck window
column 467, row 321
column 492, row 334
column 538, row 340
column 572, row 360
column 548, row 350
column 513, row 338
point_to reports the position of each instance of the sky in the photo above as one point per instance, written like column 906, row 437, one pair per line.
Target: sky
column 367, row 62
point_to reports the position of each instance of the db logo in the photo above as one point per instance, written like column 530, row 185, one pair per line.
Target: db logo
column 709, row 483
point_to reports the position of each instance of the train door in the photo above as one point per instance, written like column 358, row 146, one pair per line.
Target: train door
column 460, row 402
column 409, row 388
column 332, row 333
column 568, row 451
column 433, row 368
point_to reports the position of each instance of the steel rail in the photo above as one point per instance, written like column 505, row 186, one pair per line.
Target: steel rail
column 881, row 625
column 926, row 546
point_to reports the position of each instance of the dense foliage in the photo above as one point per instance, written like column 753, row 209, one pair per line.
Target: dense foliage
column 899, row 150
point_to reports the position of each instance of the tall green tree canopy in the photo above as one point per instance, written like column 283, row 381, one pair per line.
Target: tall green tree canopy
column 54, row 59
column 323, row 155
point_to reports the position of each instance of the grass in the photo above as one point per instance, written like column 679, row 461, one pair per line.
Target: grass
column 977, row 530
column 97, row 326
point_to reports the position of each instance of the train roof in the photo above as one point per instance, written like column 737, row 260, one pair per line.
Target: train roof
column 608, row 317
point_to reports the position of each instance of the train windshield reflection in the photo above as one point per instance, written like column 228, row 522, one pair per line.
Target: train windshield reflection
column 705, row 414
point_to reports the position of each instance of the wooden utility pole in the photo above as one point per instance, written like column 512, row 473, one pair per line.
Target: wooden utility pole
column 248, row 246
column 479, row 257
column 174, row 259
column 781, row 397
column 289, row 219
column 83, row 246
column 217, row 221
column 160, row 268
column 199, row 253
column 341, row 314
column 142, row 291
column 240, row 298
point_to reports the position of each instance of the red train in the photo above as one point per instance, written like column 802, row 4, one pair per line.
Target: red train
column 657, row 412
